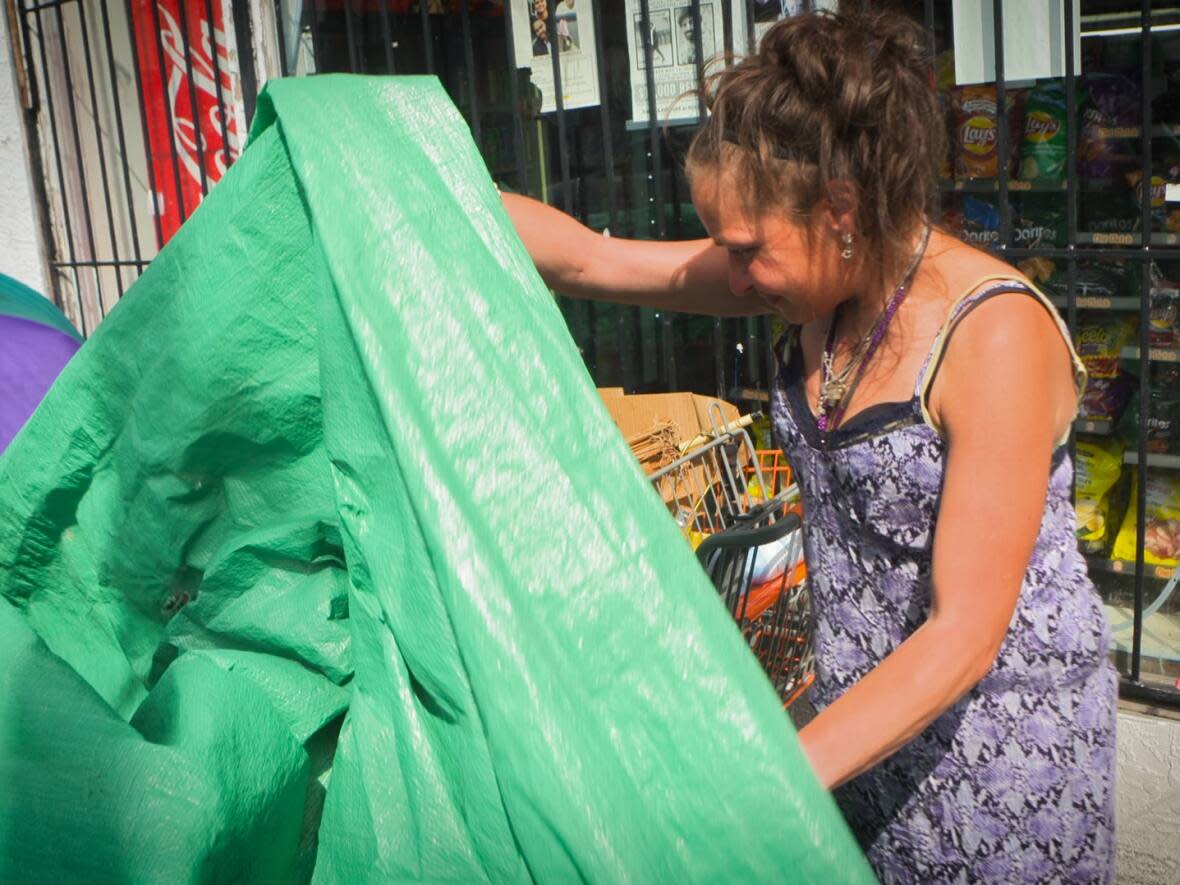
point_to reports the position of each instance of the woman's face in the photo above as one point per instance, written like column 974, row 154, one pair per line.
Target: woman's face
column 771, row 256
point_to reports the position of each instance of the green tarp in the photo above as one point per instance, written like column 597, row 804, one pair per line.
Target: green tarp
column 322, row 559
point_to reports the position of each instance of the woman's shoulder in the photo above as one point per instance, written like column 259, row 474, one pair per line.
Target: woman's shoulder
column 971, row 279
column 1000, row 340
column 965, row 271
column 1008, row 349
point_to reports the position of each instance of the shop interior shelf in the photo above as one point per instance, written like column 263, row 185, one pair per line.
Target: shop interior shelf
column 1121, row 567
column 1169, row 462
column 1098, row 302
column 1129, row 239
column 1097, row 426
column 749, row 394
column 1158, row 131
column 1156, row 354
column 991, row 185
column 1108, row 132
column 1015, row 185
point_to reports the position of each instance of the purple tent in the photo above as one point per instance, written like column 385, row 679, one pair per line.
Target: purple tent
column 36, row 342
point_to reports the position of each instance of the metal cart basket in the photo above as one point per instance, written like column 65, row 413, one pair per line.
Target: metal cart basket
column 749, row 541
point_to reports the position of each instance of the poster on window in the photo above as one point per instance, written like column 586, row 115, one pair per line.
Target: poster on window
column 767, row 12
column 671, row 32
column 672, row 35
column 192, row 101
column 571, row 28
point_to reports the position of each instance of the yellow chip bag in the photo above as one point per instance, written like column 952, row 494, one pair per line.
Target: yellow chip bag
column 1162, row 543
column 1099, row 463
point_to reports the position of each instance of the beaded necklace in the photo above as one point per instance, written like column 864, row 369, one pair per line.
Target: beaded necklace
column 836, row 389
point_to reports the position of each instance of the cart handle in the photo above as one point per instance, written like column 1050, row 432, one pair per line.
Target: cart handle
column 745, row 535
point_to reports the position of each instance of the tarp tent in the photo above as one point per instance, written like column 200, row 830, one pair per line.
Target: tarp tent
column 323, row 558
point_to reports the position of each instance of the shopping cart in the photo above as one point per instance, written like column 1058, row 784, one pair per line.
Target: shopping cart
column 772, row 606
column 747, row 532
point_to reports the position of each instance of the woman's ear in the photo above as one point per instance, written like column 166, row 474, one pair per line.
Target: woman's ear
column 840, row 214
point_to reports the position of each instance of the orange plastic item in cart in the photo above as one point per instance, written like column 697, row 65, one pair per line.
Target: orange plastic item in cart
column 776, row 475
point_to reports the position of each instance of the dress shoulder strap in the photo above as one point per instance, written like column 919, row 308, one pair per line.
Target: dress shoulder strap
column 786, row 343
column 981, row 291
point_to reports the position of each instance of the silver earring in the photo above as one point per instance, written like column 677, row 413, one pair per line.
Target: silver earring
column 846, row 252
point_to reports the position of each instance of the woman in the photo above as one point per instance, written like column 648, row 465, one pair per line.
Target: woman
column 966, row 704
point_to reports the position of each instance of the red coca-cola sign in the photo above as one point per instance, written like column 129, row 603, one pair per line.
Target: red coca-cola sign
column 186, row 138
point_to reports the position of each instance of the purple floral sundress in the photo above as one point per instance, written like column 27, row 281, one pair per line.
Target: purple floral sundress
column 1015, row 782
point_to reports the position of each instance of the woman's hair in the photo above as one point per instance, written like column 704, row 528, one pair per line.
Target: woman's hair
column 832, row 104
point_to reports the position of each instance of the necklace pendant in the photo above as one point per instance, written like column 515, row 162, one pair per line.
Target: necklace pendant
column 831, row 394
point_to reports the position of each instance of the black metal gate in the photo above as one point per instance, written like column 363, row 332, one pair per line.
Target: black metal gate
column 106, row 84
column 594, row 162
column 613, row 173
column 1103, row 245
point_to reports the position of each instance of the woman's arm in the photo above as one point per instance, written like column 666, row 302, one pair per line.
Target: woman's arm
column 690, row 275
column 1005, row 393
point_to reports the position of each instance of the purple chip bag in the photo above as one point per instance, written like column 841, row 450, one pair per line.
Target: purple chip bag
column 1105, row 398
column 1111, row 103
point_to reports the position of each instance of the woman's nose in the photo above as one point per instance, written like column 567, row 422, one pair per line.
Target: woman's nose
column 739, row 279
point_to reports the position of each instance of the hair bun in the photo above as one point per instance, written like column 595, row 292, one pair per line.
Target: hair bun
column 845, row 97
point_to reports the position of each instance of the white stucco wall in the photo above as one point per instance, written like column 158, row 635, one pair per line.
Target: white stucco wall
column 1148, row 800
column 21, row 250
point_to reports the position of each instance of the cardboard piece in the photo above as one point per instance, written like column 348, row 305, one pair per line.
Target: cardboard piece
column 683, row 491
column 638, row 413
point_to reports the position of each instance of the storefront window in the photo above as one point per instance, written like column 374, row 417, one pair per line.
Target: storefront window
column 1054, row 182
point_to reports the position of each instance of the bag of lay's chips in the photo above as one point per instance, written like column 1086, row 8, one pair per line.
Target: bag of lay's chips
column 975, row 132
column 976, row 135
column 1162, row 542
column 1099, row 464
column 1161, row 177
column 1043, row 146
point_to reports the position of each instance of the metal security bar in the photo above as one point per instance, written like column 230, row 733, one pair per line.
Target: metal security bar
column 134, row 111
